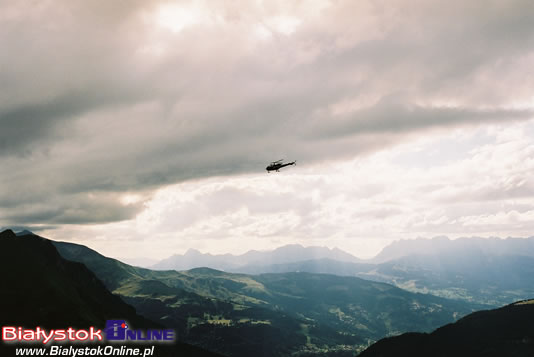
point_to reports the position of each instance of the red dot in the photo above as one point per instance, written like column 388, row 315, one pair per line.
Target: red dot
column 123, row 325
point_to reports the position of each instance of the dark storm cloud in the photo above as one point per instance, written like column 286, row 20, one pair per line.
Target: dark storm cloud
column 39, row 125
column 99, row 100
column 74, row 209
column 398, row 117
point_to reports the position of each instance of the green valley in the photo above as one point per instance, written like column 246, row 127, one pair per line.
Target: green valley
column 270, row 314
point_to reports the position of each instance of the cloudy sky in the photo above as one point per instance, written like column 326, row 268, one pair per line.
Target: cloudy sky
column 143, row 128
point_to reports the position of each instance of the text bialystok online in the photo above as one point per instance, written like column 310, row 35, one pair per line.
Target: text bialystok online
column 115, row 330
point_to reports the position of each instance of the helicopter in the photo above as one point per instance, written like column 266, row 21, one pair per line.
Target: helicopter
column 277, row 165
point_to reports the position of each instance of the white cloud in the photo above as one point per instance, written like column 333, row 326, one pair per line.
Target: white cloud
column 358, row 205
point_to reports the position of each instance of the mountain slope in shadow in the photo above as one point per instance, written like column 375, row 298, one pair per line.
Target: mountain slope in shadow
column 41, row 288
column 508, row 331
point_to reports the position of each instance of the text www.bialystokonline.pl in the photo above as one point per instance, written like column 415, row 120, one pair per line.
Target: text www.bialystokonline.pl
column 85, row 351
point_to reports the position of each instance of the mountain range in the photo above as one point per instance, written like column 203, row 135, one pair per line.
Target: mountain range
column 294, row 253
column 313, row 307
column 443, row 245
column 490, row 271
column 277, row 314
column 229, row 262
column 489, row 280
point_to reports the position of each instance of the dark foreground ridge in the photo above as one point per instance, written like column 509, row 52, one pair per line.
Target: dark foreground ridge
column 508, row 331
column 41, row 288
